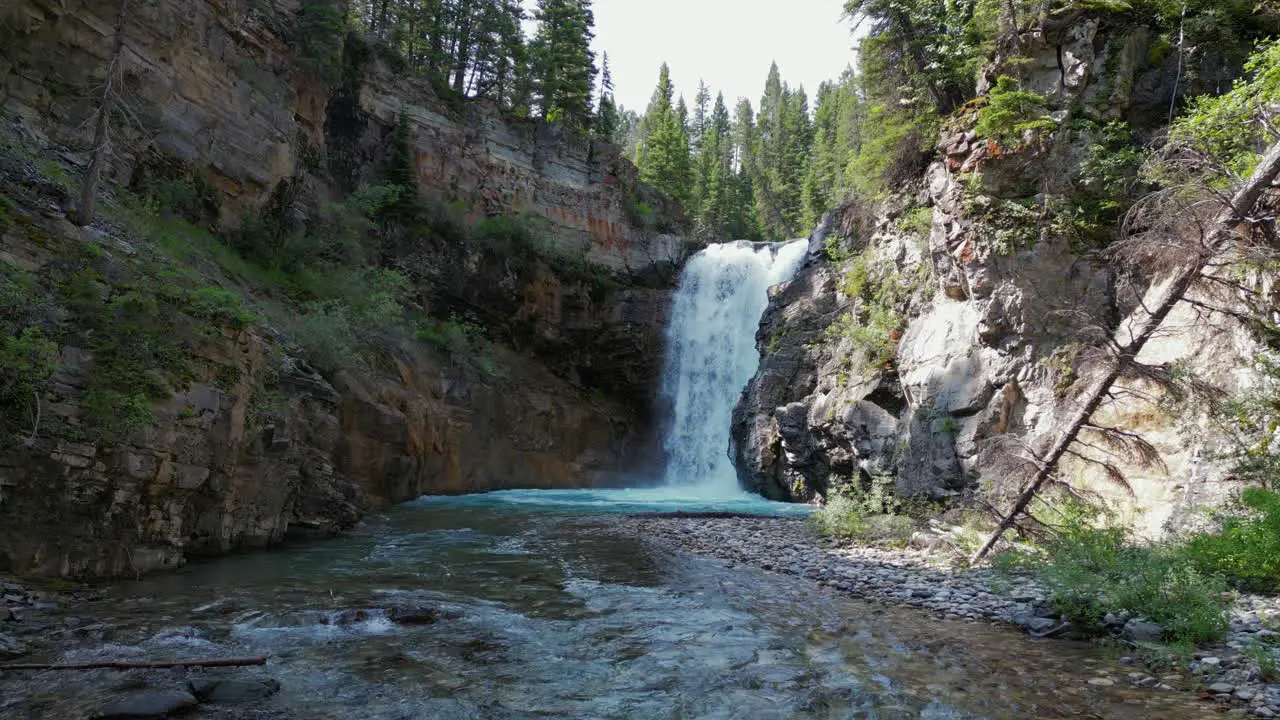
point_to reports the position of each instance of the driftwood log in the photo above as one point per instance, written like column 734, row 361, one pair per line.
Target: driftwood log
column 132, row 665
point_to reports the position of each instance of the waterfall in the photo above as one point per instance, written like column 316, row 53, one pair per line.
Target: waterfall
column 712, row 355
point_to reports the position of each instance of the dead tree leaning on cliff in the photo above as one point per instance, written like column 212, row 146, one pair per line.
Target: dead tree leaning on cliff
column 107, row 101
column 1217, row 239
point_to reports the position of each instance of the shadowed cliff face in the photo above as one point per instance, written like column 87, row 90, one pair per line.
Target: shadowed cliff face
column 258, row 446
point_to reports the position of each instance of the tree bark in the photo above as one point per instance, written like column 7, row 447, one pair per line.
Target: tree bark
column 129, row 665
column 102, row 126
column 1219, row 236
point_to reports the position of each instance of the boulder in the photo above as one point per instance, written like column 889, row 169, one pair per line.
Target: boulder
column 1138, row 630
column 413, row 615
column 146, row 705
column 226, row 691
column 1038, row 625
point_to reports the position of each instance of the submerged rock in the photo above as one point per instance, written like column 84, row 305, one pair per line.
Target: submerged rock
column 144, row 705
column 414, row 615
column 11, row 647
column 220, row 691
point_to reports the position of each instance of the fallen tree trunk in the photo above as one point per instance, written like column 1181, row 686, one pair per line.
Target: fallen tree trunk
column 1218, row 237
column 132, row 665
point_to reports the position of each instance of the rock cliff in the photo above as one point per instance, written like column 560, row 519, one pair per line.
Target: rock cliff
column 254, row 445
column 990, row 306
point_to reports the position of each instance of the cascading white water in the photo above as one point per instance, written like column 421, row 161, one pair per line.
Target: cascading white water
column 712, row 355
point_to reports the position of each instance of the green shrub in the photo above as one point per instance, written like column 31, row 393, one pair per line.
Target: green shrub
column 1091, row 567
column 465, row 341
column 326, row 333
column 349, row 323
column 220, row 307
column 27, row 361
column 1263, row 656
column 866, row 513
column 1246, row 549
column 880, row 293
column 112, row 416
column 7, row 212
column 918, row 222
column 1010, row 113
column 517, row 236
column 1224, row 128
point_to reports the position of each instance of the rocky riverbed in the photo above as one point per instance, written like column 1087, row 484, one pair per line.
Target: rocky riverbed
column 1229, row 676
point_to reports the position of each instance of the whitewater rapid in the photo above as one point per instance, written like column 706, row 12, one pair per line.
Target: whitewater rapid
column 712, row 355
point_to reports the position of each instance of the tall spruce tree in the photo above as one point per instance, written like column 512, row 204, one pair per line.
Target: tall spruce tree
column 563, row 64
column 701, row 106
column 714, row 175
column 606, row 122
column 663, row 153
column 778, row 173
column 744, row 222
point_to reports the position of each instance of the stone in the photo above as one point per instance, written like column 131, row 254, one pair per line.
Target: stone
column 190, row 477
column 146, row 705
column 413, row 615
column 1142, row 631
column 11, row 647
column 1221, row 688
column 226, row 692
column 1102, row 681
column 1037, row 625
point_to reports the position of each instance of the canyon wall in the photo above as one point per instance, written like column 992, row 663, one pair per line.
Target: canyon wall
column 996, row 307
column 258, row 446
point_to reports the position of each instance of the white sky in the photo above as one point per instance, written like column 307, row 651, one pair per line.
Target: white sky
column 728, row 43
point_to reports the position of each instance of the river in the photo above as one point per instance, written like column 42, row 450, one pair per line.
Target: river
column 545, row 613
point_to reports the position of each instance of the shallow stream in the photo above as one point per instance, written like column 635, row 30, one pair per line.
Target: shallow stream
column 547, row 614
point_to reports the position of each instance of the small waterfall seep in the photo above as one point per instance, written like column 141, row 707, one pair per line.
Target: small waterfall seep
column 712, row 355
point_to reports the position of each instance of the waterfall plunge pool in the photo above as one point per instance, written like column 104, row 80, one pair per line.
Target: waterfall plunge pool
column 663, row 499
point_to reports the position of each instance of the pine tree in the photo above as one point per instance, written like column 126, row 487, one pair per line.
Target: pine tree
column 836, row 141
column 778, row 173
column 663, row 153
column 563, row 64
column 714, row 175
column 474, row 48
column 743, row 222
column 701, row 106
column 607, row 119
